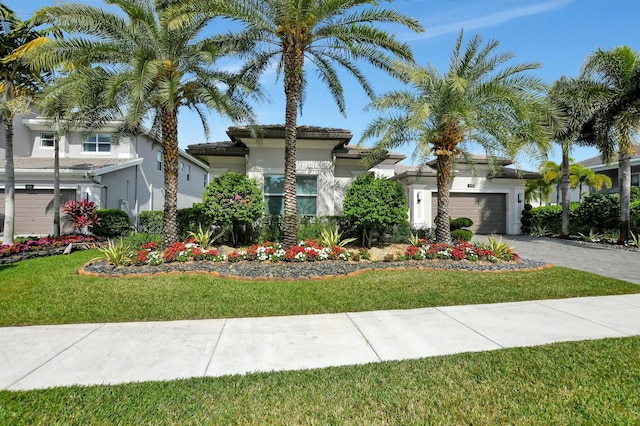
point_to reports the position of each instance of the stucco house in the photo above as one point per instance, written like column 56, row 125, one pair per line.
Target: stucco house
column 125, row 174
column 597, row 165
column 327, row 164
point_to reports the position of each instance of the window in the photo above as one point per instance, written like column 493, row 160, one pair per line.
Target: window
column 96, row 142
column 206, row 179
column 635, row 179
column 306, row 194
column 181, row 166
column 188, row 172
column 47, row 139
column 159, row 160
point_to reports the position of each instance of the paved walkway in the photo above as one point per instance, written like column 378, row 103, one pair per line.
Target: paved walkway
column 86, row 354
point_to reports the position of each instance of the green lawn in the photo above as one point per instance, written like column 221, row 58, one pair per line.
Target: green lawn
column 48, row 291
column 590, row 382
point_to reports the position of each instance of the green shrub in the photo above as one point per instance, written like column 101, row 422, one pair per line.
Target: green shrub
column 311, row 227
column 634, row 217
column 190, row 218
column 461, row 234
column 374, row 204
column 234, row 200
column 111, row 223
column 150, row 221
column 600, row 212
column 459, row 223
column 269, row 228
column 137, row 239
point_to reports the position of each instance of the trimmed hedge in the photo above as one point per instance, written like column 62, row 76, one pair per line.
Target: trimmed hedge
column 461, row 234
column 188, row 220
column 112, row 223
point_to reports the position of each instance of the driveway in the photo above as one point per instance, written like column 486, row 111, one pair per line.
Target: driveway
column 599, row 259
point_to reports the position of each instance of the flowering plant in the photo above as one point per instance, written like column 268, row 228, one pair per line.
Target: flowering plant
column 81, row 215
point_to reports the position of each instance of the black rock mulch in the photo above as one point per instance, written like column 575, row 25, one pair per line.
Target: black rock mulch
column 303, row 270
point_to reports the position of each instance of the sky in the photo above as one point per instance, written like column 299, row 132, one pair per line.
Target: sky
column 557, row 34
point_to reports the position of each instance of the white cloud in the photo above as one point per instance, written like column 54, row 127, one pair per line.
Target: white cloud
column 490, row 20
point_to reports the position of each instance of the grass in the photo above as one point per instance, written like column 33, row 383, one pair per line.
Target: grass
column 589, row 382
column 48, row 291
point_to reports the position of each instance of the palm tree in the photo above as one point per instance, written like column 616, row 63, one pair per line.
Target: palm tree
column 616, row 124
column 537, row 190
column 476, row 100
column 19, row 83
column 552, row 174
column 581, row 175
column 575, row 101
column 146, row 71
column 324, row 33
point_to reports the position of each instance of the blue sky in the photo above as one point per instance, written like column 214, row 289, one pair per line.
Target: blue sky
column 558, row 34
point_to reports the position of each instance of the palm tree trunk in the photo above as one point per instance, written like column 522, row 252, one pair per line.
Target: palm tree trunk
column 56, row 183
column 169, row 122
column 444, row 165
column 564, row 188
column 294, row 61
column 624, row 171
column 10, row 183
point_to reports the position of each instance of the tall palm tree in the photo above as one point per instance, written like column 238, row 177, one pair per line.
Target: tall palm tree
column 18, row 83
column 146, row 71
column 479, row 99
column 581, row 175
column 575, row 101
column 323, row 33
column 616, row 124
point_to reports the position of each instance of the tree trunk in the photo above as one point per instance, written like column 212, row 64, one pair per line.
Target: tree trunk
column 56, row 183
column 293, row 68
column 169, row 122
column 444, row 163
column 564, row 188
column 9, row 184
column 624, row 171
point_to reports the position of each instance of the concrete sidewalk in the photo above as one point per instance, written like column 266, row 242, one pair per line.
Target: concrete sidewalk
column 86, row 354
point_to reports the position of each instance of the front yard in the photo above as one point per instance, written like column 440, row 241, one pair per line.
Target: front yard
column 593, row 382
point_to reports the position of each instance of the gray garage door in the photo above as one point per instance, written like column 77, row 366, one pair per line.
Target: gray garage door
column 488, row 211
column 34, row 211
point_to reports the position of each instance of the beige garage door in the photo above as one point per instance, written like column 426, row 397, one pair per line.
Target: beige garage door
column 488, row 211
column 34, row 211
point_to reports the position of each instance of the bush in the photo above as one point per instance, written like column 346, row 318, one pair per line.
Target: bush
column 600, row 212
column 232, row 199
column 634, row 219
column 459, row 223
column 190, row 218
column 375, row 204
column 461, row 235
column 310, row 228
column 150, row 221
column 111, row 223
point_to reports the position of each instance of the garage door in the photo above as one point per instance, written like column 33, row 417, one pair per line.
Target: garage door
column 34, row 211
column 488, row 211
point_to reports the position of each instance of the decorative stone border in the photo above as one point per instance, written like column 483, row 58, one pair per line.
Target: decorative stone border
column 253, row 271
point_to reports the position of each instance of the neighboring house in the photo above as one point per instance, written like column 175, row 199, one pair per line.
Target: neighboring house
column 597, row 165
column 326, row 165
column 125, row 174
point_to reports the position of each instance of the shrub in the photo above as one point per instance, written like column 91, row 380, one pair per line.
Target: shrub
column 150, row 221
column 81, row 215
column 112, row 223
column 232, row 199
column 600, row 212
column 634, row 217
column 459, row 223
column 374, row 204
column 310, row 227
column 461, row 235
column 190, row 218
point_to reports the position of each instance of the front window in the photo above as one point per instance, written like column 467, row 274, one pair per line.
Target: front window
column 188, row 172
column 306, row 194
column 159, row 160
column 47, row 139
column 635, row 179
column 96, row 142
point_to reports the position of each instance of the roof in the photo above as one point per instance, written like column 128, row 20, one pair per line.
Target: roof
column 276, row 131
column 426, row 170
column 223, row 149
column 597, row 160
column 82, row 164
column 509, row 173
column 477, row 159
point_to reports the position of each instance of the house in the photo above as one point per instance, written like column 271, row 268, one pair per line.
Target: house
column 327, row 164
column 125, row 174
column 599, row 166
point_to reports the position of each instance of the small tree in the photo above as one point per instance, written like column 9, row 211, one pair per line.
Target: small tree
column 374, row 204
column 81, row 215
column 234, row 200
